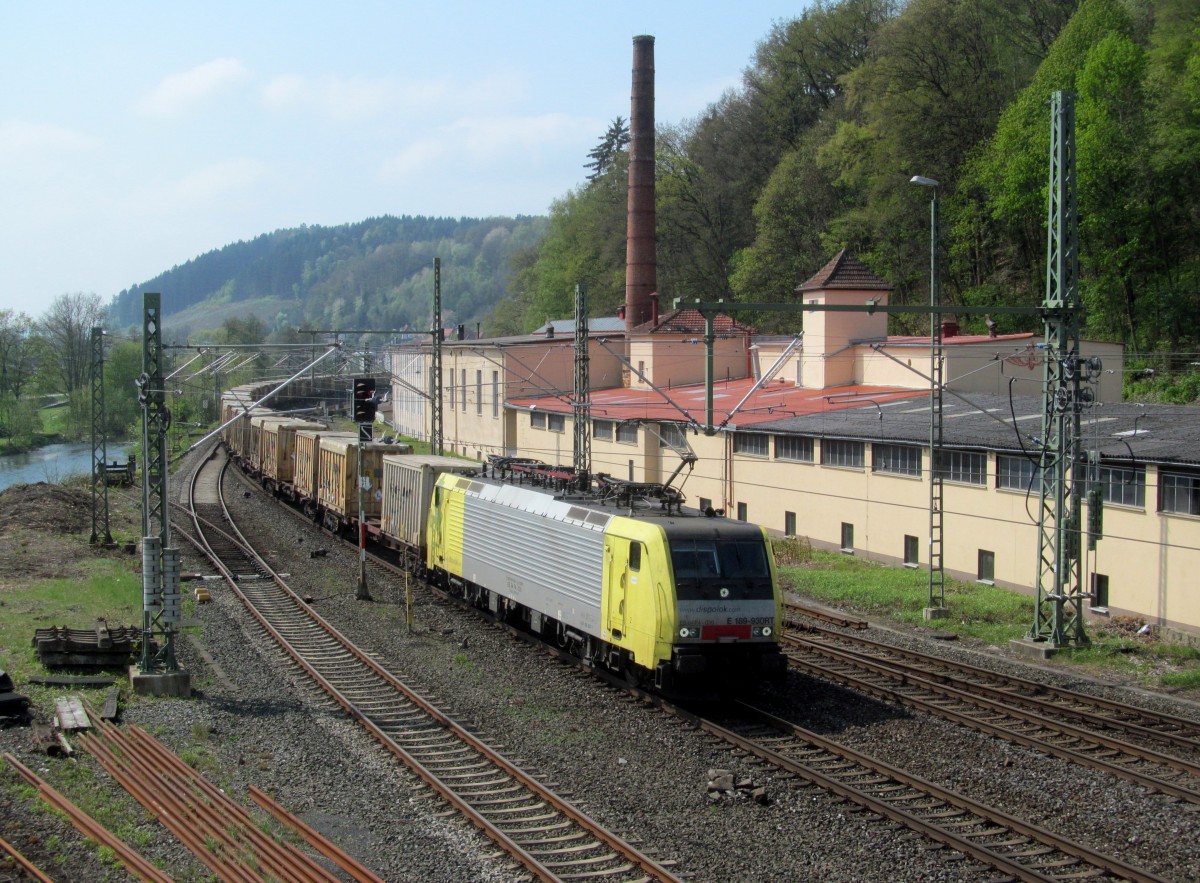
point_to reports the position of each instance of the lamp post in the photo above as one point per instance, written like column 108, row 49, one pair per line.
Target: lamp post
column 936, row 608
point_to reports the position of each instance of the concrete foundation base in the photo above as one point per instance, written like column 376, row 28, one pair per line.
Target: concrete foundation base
column 1033, row 649
column 931, row 613
column 161, row 683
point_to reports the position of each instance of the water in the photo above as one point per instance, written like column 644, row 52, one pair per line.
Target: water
column 52, row 463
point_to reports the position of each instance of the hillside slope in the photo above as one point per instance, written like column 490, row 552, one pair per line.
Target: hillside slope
column 375, row 273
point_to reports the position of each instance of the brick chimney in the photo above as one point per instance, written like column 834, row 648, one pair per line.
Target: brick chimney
column 641, row 274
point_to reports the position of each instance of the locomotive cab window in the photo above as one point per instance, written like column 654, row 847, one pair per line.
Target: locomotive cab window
column 704, row 568
column 635, row 556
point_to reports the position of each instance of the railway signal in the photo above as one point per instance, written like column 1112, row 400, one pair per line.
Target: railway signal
column 365, row 402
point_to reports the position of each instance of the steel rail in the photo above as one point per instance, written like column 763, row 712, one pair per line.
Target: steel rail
column 1140, row 722
column 197, row 811
column 29, row 868
column 949, row 834
column 525, row 857
column 314, row 839
column 137, row 865
column 898, row 694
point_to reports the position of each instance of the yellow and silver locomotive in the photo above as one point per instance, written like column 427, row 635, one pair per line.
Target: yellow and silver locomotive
column 680, row 601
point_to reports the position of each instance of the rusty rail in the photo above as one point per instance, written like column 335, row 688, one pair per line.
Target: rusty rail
column 89, row 827
column 221, row 833
column 31, row 870
column 314, row 839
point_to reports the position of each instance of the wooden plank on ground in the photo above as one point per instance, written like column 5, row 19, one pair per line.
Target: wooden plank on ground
column 109, row 712
column 70, row 715
column 73, row 680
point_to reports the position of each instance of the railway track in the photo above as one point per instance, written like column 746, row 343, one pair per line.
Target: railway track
column 1017, row 849
column 547, row 836
column 1013, row 848
column 1108, row 736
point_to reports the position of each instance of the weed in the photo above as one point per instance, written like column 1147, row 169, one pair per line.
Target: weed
column 986, row 613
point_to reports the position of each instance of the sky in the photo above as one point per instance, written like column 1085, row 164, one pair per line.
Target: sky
column 135, row 136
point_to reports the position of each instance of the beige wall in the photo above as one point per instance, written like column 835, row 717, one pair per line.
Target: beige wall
column 1143, row 552
column 677, row 360
column 826, row 360
column 975, row 367
column 474, row 419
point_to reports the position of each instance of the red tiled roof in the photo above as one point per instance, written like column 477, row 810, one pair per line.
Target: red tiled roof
column 845, row 271
column 689, row 321
column 923, row 340
column 776, row 400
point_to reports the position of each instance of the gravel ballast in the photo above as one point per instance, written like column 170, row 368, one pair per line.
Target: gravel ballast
column 255, row 721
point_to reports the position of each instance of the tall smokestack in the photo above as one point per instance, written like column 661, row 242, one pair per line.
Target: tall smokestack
column 641, row 273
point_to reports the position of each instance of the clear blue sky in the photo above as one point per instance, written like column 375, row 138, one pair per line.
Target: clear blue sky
column 137, row 135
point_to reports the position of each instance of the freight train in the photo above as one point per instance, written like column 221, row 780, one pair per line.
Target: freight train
column 620, row 574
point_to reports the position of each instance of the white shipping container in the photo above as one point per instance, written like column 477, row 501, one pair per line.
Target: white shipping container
column 407, row 490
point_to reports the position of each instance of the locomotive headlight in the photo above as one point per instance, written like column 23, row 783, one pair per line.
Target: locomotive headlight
column 686, row 632
column 766, row 631
column 683, row 632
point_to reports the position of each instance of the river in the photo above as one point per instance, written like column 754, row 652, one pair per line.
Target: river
column 52, row 463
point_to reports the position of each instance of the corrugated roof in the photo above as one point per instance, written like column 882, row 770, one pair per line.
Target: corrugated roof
column 845, row 271
column 607, row 324
column 1120, row 431
column 690, row 321
column 1168, row 434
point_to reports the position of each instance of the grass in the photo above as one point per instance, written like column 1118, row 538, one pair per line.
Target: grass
column 106, row 589
column 980, row 612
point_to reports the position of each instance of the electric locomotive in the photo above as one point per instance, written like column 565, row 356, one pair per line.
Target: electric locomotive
column 683, row 602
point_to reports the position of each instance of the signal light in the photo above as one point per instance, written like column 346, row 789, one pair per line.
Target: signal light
column 365, row 402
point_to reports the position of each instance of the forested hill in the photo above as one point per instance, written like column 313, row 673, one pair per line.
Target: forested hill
column 372, row 274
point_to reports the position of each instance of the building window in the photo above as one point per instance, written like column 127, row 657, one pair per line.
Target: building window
column 836, row 452
column 757, row 444
column 464, row 389
column 672, row 435
column 556, row 422
column 1099, row 598
column 537, row 419
column 451, row 389
column 742, row 513
column 627, row 433
column 912, row 554
column 847, row 537
column 1016, row 473
column 1124, row 486
column 966, row 467
column 987, row 566
column 495, row 393
column 1178, row 493
column 789, row 523
column 896, row 459
column 631, row 470
column 602, row 430
column 478, row 392
column 794, row 447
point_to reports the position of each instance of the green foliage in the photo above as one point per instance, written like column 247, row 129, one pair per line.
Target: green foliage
column 1152, row 385
column 105, row 588
column 375, row 274
column 584, row 244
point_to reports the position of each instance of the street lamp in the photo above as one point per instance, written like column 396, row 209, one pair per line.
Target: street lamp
column 937, row 575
